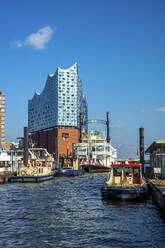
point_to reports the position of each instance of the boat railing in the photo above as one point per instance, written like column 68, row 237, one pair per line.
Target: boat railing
column 81, row 154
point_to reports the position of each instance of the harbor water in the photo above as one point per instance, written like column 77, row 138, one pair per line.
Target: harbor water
column 69, row 212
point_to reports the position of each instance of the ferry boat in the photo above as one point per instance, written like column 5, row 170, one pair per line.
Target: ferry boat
column 125, row 183
column 95, row 154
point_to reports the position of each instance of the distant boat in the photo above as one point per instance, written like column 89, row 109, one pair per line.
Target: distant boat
column 125, row 183
column 39, row 168
column 75, row 170
column 95, row 153
column 5, row 166
column 66, row 172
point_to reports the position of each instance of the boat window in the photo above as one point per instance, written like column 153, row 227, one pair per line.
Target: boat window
column 117, row 172
column 136, row 172
column 136, row 175
column 128, row 171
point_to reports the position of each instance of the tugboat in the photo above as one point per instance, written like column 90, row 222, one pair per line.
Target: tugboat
column 38, row 169
column 75, row 170
column 125, row 183
column 36, row 165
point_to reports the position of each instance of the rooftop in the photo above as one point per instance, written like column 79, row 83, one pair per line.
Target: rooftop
column 155, row 144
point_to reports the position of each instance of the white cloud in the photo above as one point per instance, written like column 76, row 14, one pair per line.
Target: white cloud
column 37, row 40
column 161, row 109
column 117, row 126
column 18, row 44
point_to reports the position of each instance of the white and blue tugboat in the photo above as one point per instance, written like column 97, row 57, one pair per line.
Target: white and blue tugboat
column 125, row 183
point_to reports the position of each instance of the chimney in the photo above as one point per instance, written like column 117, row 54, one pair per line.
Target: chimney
column 141, row 146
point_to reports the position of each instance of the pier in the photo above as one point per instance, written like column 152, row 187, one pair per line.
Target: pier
column 157, row 188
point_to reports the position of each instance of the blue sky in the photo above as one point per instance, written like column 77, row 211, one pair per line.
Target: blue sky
column 119, row 47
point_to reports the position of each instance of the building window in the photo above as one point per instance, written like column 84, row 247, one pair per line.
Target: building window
column 65, row 135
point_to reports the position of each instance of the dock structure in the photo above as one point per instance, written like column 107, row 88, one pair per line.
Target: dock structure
column 156, row 151
column 158, row 192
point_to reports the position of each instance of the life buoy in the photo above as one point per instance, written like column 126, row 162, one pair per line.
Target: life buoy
column 23, row 173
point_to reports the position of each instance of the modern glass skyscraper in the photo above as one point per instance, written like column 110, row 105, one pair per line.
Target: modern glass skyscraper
column 60, row 103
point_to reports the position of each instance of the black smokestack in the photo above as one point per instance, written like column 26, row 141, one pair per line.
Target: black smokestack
column 25, row 154
column 81, row 123
column 141, row 146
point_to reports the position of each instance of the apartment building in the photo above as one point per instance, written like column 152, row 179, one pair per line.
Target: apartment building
column 2, row 118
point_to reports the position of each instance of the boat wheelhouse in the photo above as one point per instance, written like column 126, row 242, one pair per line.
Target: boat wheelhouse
column 125, row 182
column 75, row 170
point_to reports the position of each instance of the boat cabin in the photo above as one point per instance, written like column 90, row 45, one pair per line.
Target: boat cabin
column 125, row 174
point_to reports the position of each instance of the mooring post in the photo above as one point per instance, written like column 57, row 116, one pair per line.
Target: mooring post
column 141, row 146
column 107, row 122
column 81, row 123
column 25, row 154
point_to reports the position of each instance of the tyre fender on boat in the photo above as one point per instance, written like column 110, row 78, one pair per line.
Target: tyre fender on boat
column 23, row 173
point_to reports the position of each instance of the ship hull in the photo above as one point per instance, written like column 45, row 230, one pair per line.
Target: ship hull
column 67, row 172
column 94, row 168
column 124, row 193
column 31, row 179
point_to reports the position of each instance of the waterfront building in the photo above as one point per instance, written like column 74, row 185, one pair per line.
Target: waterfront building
column 2, row 118
column 53, row 115
column 157, row 157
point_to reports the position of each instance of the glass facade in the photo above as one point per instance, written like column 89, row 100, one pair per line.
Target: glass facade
column 60, row 103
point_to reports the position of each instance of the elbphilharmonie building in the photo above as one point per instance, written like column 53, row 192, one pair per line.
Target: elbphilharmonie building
column 58, row 107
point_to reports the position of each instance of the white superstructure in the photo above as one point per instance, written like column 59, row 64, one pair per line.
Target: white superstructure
column 95, row 150
column 5, row 160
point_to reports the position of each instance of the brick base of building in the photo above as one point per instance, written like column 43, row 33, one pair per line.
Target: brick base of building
column 58, row 141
